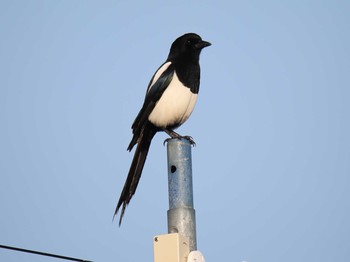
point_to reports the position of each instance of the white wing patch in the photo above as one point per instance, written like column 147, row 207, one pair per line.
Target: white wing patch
column 176, row 104
column 158, row 74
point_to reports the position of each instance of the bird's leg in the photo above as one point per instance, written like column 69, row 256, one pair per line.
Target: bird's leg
column 173, row 134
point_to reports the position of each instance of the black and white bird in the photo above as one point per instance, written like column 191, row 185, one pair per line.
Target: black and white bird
column 170, row 98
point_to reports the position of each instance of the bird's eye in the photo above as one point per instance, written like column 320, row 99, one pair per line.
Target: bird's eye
column 189, row 42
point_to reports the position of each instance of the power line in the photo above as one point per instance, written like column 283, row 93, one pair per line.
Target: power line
column 44, row 254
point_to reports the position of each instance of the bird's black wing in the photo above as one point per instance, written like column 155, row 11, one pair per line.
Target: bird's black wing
column 143, row 132
column 154, row 93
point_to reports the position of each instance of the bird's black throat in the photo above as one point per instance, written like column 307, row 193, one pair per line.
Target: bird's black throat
column 189, row 74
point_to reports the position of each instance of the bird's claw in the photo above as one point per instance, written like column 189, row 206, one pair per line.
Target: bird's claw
column 188, row 138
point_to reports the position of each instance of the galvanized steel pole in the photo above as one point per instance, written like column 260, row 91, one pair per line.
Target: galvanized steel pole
column 181, row 214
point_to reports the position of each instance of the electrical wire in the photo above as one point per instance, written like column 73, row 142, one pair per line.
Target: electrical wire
column 44, row 253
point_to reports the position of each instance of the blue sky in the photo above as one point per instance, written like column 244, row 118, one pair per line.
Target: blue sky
column 271, row 167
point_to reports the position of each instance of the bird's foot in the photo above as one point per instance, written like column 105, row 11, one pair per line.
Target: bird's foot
column 188, row 138
column 173, row 135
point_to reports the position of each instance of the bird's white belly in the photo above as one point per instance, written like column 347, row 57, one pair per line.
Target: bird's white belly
column 175, row 105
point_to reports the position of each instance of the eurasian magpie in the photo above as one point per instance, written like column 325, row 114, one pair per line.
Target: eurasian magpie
column 170, row 98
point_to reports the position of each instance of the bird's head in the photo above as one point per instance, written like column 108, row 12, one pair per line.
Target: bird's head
column 189, row 45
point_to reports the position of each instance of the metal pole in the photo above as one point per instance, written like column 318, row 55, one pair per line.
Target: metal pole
column 181, row 214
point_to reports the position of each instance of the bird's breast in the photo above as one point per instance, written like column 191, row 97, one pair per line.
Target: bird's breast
column 175, row 105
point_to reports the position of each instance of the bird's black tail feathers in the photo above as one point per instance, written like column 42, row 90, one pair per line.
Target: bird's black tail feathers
column 144, row 139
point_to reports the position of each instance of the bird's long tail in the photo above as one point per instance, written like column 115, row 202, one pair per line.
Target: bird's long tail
column 143, row 144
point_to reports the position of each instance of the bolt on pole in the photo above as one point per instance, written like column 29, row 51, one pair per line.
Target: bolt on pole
column 181, row 213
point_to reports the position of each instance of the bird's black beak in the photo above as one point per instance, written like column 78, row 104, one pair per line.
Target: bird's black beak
column 202, row 44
